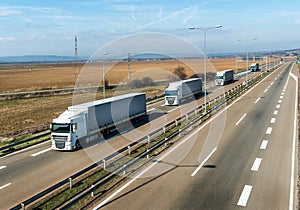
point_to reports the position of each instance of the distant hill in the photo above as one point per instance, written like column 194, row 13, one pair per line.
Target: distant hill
column 38, row 59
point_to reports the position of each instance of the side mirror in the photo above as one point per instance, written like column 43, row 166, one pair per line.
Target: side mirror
column 74, row 127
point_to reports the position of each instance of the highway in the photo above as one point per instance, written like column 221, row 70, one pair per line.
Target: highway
column 251, row 166
column 30, row 171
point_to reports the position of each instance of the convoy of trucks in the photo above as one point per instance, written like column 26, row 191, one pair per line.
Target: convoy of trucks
column 179, row 91
column 224, row 77
column 87, row 122
column 254, row 67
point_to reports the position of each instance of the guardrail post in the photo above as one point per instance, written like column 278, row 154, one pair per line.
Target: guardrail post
column 104, row 164
column 92, row 193
column 70, row 182
column 164, row 129
column 147, row 154
column 179, row 131
column 187, row 117
column 124, row 172
column 195, row 111
column 129, row 150
column 23, row 206
column 176, row 122
column 148, row 139
column 166, row 141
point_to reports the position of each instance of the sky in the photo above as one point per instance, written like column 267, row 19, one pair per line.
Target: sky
column 35, row 27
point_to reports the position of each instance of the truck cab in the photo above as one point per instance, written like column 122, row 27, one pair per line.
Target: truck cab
column 66, row 130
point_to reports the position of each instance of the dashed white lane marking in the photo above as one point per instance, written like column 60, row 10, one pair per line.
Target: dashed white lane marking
column 281, row 97
column 204, row 161
column 277, row 106
column 257, row 100
column 173, row 109
column 238, row 122
column 4, row 186
column 245, row 195
column 269, row 130
column 264, row 144
column 282, row 94
column 266, row 90
column 256, row 164
column 279, row 101
column 2, row 167
column 275, row 112
column 41, row 152
column 272, row 83
column 150, row 110
column 273, row 120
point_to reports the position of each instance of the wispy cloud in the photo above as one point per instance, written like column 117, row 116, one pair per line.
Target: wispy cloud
column 174, row 14
column 184, row 22
column 9, row 12
column 7, row 39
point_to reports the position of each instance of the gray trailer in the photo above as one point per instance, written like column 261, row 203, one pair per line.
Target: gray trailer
column 87, row 122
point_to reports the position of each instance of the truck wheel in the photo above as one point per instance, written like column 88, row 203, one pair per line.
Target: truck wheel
column 78, row 146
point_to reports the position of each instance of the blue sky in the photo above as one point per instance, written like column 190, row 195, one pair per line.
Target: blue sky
column 48, row 27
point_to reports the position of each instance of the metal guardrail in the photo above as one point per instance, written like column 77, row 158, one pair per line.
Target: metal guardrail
column 11, row 146
column 227, row 95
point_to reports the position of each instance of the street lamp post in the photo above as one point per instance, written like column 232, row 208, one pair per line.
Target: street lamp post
column 103, row 74
column 205, row 57
column 247, row 61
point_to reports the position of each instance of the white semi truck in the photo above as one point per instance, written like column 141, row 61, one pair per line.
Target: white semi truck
column 87, row 122
column 254, row 67
column 178, row 92
column 224, row 77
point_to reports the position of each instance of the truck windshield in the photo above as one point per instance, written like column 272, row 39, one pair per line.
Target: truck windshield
column 170, row 93
column 219, row 77
column 61, row 128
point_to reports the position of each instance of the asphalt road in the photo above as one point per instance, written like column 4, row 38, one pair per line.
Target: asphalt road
column 30, row 171
column 247, row 156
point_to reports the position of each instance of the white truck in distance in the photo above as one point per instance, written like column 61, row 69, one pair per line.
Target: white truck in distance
column 254, row 67
column 177, row 92
column 224, row 77
column 87, row 122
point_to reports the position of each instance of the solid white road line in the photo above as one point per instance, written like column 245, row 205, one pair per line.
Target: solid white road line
column 2, row 167
column 269, row 130
column 150, row 110
column 275, row 112
column 41, row 152
column 238, row 122
column 264, row 144
column 173, row 109
column 291, row 202
column 273, row 120
column 256, row 164
column 6, row 185
column 257, row 100
column 204, row 161
column 245, row 195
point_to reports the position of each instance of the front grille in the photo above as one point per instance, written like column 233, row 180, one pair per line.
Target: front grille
column 170, row 100
column 60, row 138
column 60, row 144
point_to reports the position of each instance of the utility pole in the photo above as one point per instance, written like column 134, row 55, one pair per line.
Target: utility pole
column 129, row 60
column 76, row 58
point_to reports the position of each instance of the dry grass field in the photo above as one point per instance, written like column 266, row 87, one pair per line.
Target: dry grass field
column 22, row 117
column 27, row 78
